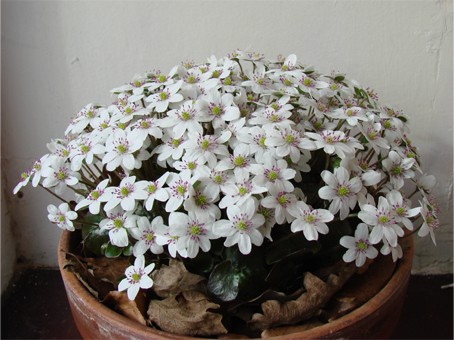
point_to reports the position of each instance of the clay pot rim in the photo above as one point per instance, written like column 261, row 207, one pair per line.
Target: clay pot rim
column 398, row 281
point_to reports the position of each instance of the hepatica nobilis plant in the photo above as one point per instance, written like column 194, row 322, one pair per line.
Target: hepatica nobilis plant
column 248, row 171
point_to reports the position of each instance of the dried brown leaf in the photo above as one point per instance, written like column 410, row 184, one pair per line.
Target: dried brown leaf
column 120, row 302
column 186, row 313
column 318, row 293
column 361, row 288
column 108, row 269
column 173, row 279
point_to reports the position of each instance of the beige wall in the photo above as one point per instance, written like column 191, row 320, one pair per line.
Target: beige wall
column 59, row 56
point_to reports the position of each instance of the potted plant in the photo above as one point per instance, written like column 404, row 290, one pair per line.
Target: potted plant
column 235, row 196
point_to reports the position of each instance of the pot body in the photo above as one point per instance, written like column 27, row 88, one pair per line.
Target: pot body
column 376, row 319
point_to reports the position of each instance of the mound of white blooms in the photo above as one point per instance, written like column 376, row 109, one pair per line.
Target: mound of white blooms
column 219, row 150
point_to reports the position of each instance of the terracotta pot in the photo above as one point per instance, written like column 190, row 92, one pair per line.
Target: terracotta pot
column 375, row 319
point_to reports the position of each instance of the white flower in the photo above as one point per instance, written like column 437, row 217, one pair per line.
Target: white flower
column 193, row 233
column 359, row 247
column 218, row 108
column 145, row 234
column 126, row 194
column 137, row 277
column 289, row 142
column 335, row 142
column 373, row 135
column 341, row 191
column 201, row 201
column 145, row 127
column 258, row 82
column 94, row 198
column 351, row 114
column 155, row 190
column 383, row 222
column 239, row 161
column 398, row 168
column 178, row 189
column 84, row 149
column 171, row 147
column 24, row 179
column 396, row 252
column 281, row 201
column 255, row 137
column 186, row 118
column 400, row 209
column 62, row 216
column 161, row 100
column 58, row 176
column 431, row 222
column 82, row 119
column 117, row 222
column 310, row 221
column 239, row 191
column 206, row 148
column 120, row 149
column 242, row 227
column 273, row 173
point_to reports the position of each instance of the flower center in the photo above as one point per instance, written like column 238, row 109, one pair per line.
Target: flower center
column 191, row 79
column 152, row 188
column 163, row 96
column 121, row 149
column 243, row 191
column 61, row 176
column 185, row 115
column 361, row 245
column 216, row 74
column 162, row 78
column 136, row 277
column 201, row 200
column 176, row 143
column 195, row 230
column 84, row 149
column 396, row 171
column 216, row 110
column 309, row 219
column 61, row 218
column 239, row 161
column 228, row 81
column 118, row 223
column 205, row 144
column 95, row 194
column 282, row 200
column 307, row 81
column 343, row 191
column 289, row 139
column 144, row 124
column 241, row 225
column 181, row 190
column 124, row 191
column 272, row 176
column 383, row 219
column 400, row 211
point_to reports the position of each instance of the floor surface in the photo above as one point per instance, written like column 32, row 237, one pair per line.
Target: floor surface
column 35, row 307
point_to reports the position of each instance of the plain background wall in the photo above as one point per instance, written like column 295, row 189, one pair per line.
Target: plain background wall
column 59, row 56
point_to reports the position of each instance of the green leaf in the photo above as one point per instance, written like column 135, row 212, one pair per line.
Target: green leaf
column 239, row 276
column 403, row 118
column 94, row 238
column 127, row 251
column 223, row 282
column 291, row 246
column 338, row 79
column 202, row 264
column 113, row 251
